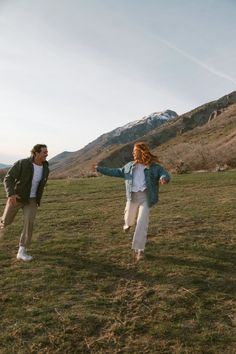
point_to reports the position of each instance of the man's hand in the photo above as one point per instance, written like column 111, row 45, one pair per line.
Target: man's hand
column 12, row 200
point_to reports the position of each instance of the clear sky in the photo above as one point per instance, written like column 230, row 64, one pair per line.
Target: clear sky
column 71, row 70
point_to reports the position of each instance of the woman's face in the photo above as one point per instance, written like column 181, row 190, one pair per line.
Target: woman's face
column 137, row 154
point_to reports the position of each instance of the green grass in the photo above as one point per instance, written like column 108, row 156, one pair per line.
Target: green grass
column 85, row 293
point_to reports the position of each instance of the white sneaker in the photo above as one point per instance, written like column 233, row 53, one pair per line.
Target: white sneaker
column 22, row 255
column 126, row 228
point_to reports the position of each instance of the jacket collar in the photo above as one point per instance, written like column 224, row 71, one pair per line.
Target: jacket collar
column 133, row 163
column 31, row 159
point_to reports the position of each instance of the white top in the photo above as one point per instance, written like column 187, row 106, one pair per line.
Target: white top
column 38, row 173
column 139, row 183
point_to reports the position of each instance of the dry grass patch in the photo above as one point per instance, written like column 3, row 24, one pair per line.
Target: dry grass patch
column 85, row 293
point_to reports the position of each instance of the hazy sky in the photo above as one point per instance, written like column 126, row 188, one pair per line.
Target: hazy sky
column 71, row 70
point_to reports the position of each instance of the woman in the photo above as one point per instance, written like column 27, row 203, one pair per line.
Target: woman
column 142, row 177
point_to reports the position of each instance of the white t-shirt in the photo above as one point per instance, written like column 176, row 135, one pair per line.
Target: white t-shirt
column 139, row 183
column 38, row 173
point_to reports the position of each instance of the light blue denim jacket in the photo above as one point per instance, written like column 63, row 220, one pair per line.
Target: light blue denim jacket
column 152, row 175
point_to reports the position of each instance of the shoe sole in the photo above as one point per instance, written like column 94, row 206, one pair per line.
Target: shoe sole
column 25, row 260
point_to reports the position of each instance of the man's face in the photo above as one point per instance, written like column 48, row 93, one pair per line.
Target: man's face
column 42, row 155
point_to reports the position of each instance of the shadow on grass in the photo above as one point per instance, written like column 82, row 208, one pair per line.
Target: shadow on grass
column 97, row 267
column 218, row 265
column 213, row 272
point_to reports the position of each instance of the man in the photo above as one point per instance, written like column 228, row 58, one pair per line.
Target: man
column 24, row 184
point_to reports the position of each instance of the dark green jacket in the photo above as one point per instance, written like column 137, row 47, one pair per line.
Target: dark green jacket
column 18, row 180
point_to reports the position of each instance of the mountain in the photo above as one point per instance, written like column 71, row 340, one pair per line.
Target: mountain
column 79, row 162
column 210, row 146
column 3, row 165
column 139, row 128
column 203, row 138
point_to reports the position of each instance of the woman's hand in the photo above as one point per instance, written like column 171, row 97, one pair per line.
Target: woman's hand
column 163, row 180
column 94, row 167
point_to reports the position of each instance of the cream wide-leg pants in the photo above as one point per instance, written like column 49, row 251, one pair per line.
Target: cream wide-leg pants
column 137, row 207
column 29, row 213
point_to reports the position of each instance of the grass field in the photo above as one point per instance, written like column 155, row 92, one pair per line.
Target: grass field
column 85, row 293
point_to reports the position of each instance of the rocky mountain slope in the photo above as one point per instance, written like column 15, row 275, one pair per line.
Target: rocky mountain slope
column 203, row 138
column 79, row 162
column 211, row 146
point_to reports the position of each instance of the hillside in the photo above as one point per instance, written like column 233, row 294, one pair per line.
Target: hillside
column 71, row 164
column 208, row 147
column 203, row 138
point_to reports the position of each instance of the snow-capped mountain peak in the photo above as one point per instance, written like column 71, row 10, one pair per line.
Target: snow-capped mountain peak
column 151, row 121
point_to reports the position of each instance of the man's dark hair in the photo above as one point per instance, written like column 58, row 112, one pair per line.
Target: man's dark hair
column 37, row 148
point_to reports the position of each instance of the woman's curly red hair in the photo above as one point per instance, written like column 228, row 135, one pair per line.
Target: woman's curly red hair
column 147, row 158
